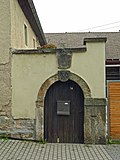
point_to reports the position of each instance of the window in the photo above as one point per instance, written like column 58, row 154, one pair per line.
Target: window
column 26, row 34
column 113, row 73
column 33, row 43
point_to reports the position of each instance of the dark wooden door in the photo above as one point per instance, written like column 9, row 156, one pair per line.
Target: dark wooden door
column 68, row 125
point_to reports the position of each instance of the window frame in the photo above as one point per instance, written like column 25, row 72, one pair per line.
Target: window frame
column 25, row 34
column 112, row 72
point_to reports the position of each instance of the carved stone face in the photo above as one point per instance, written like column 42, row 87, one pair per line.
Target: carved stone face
column 63, row 75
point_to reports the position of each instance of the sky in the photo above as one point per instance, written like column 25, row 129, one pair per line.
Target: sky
column 78, row 16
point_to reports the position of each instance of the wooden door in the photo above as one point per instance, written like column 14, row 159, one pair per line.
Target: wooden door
column 63, row 124
column 114, row 109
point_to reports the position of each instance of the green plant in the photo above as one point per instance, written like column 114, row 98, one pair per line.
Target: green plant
column 4, row 138
column 110, row 141
column 43, row 141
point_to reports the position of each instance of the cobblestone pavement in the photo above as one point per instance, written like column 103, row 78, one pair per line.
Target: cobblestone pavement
column 113, row 150
column 25, row 150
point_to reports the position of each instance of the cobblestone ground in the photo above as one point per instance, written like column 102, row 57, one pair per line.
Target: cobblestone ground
column 24, row 150
column 114, row 151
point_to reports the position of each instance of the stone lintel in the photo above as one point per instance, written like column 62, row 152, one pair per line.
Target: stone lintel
column 95, row 102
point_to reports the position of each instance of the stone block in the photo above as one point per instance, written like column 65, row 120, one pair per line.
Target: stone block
column 95, row 121
column 28, row 124
column 4, row 122
column 99, row 101
column 3, row 113
column 88, row 102
column 39, row 123
column 22, row 134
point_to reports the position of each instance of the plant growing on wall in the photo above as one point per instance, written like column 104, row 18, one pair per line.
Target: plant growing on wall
column 50, row 45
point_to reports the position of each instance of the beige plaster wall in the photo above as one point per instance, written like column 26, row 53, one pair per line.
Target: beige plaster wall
column 30, row 71
column 5, row 26
column 91, row 67
column 18, row 20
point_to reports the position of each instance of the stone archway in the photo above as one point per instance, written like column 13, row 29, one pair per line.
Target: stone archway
column 41, row 95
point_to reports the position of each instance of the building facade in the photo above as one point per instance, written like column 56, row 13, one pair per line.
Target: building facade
column 16, row 31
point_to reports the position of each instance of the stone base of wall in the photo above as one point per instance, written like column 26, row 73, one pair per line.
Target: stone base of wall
column 19, row 129
column 95, row 121
column 17, row 134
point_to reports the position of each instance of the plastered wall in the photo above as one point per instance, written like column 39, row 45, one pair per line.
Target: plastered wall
column 12, row 22
column 5, row 27
column 18, row 20
column 30, row 71
column 91, row 66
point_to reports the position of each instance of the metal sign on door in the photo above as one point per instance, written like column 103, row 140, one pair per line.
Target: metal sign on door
column 63, row 107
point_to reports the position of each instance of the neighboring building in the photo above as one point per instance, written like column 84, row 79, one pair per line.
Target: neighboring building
column 75, row 39
column 19, row 28
column 112, row 50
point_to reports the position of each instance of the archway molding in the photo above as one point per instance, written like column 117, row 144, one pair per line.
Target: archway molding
column 41, row 96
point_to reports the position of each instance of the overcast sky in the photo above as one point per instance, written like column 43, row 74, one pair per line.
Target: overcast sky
column 78, row 15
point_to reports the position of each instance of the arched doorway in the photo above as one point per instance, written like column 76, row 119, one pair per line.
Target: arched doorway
column 64, row 113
